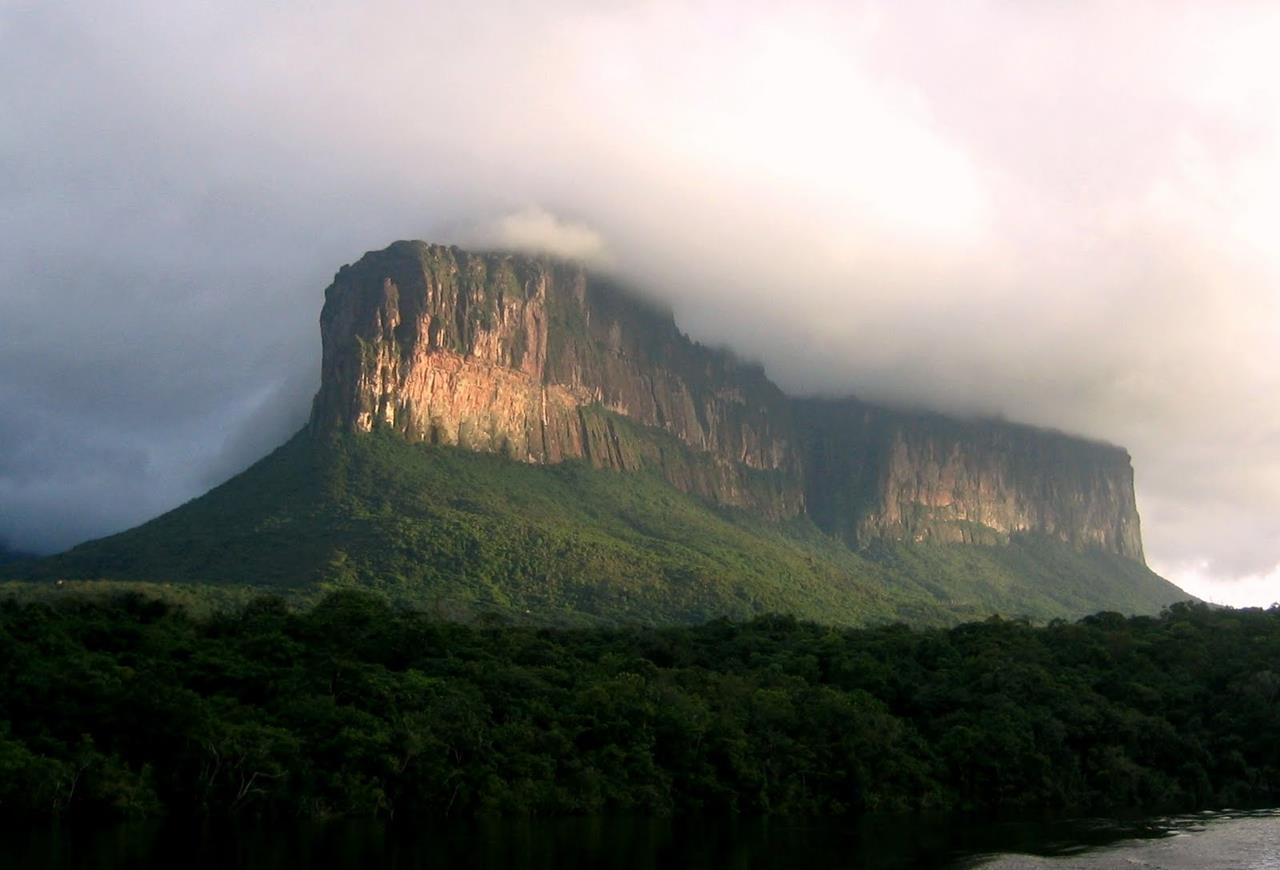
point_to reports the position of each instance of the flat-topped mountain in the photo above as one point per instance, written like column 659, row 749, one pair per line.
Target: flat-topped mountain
column 510, row 434
column 535, row 360
column 529, row 358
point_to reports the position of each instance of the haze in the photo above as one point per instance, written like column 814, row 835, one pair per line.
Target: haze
column 1059, row 213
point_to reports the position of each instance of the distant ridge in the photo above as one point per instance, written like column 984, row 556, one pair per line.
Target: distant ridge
column 7, row 554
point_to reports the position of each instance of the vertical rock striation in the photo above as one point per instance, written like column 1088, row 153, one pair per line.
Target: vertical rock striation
column 526, row 357
column 872, row 473
column 537, row 360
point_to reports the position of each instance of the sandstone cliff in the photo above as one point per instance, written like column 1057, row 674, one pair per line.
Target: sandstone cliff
column 535, row 359
column 873, row 473
column 527, row 357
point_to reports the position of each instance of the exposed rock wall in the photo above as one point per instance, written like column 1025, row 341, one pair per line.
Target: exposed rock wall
column 518, row 355
column 872, row 473
column 527, row 357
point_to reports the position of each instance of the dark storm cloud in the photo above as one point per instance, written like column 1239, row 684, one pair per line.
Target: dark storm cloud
column 1061, row 214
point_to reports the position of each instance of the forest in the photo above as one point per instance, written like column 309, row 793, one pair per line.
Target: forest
column 125, row 705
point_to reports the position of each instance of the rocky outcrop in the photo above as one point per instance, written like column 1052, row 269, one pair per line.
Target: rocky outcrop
column 535, row 359
column 526, row 357
column 873, row 473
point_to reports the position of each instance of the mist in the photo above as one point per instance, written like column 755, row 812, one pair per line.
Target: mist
column 1062, row 215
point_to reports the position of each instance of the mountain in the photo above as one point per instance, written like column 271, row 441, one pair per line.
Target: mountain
column 508, row 434
column 872, row 473
column 531, row 359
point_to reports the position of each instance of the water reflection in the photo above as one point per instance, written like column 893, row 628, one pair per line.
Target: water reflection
column 1227, row 839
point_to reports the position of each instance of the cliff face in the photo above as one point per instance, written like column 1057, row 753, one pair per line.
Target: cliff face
column 533, row 359
column 526, row 357
column 872, row 473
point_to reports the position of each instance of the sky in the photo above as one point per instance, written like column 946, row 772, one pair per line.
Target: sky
column 1062, row 214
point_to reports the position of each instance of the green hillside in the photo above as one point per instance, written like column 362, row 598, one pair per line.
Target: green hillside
column 465, row 535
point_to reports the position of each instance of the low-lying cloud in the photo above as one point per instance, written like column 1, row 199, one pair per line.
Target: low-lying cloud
column 1060, row 214
column 535, row 230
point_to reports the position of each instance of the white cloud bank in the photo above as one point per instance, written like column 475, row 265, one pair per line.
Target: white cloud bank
column 536, row 230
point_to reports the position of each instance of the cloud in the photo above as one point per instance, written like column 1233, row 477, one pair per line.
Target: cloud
column 535, row 230
column 1061, row 214
column 1250, row 590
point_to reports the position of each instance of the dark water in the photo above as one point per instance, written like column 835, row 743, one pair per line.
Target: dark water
column 1209, row 840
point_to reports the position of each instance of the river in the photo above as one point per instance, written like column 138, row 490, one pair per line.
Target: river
column 1225, row 839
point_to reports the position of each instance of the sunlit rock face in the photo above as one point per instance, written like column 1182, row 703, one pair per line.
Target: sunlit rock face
column 538, row 360
column 873, row 473
column 530, row 358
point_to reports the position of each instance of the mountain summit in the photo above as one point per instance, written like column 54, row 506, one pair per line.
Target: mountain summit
column 511, row 435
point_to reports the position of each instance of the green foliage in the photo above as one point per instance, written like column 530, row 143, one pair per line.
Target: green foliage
column 129, row 706
column 463, row 534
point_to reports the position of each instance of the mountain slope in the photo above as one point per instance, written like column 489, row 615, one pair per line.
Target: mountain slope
column 463, row 534
column 506, row 434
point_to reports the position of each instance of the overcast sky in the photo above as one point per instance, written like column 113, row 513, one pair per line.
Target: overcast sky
column 1063, row 213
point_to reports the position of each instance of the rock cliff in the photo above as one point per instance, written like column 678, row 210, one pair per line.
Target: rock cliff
column 527, row 357
column 873, row 473
column 538, row 360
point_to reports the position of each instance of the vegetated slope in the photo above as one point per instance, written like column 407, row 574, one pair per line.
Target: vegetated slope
column 464, row 534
